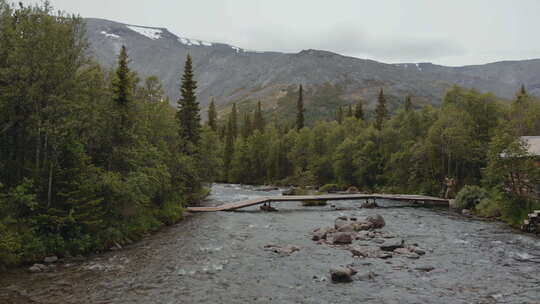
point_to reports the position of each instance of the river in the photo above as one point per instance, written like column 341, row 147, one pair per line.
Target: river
column 220, row 258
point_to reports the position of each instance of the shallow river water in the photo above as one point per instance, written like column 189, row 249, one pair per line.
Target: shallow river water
column 220, row 258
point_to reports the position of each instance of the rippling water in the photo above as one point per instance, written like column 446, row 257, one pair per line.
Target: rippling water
column 219, row 258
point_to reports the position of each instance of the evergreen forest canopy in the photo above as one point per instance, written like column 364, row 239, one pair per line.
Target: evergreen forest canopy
column 91, row 158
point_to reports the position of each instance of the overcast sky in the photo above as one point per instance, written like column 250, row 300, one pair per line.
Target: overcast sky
column 456, row 32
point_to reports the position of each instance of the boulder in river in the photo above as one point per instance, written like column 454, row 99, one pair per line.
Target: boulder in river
column 340, row 238
column 391, row 245
column 402, row 250
column 424, row 268
column 361, row 251
column 321, row 233
column 283, row 251
column 377, row 221
column 342, row 274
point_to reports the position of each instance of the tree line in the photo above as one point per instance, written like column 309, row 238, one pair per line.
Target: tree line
column 411, row 151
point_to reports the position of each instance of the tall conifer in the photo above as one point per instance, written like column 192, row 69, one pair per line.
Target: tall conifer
column 258, row 120
column 233, row 121
column 381, row 112
column 212, row 116
column 188, row 107
column 300, row 109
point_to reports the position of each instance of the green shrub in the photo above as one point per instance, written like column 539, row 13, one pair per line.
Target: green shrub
column 330, row 188
column 492, row 205
column 469, row 196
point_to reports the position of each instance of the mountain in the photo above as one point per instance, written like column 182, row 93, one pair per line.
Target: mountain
column 232, row 74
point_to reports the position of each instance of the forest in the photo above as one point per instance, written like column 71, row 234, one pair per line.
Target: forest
column 93, row 158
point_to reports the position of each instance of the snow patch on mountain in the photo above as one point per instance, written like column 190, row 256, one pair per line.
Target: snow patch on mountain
column 191, row 42
column 151, row 33
column 109, row 35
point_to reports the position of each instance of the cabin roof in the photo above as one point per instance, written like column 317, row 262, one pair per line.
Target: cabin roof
column 533, row 144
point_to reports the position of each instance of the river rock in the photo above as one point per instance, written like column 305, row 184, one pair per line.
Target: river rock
column 342, row 274
column 50, row 259
column 402, row 251
column 466, row 212
column 412, row 256
column 417, row 250
column 361, row 251
column 366, row 276
column 284, row 251
column 377, row 221
column 391, row 245
column 341, row 238
column 37, row 268
column 384, row 255
column 341, row 221
column 425, row 268
column 321, row 233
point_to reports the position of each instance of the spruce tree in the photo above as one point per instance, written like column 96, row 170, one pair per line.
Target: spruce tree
column 381, row 112
column 212, row 116
column 359, row 111
column 247, row 127
column 188, row 108
column 300, row 110
column 233, row 121
column 121, row 84
column 258, row 120
column 122, row 135
column 339, row 115
column 408, row 103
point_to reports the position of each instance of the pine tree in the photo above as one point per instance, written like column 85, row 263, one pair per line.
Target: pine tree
column 408, row 103
column 359, row 111
column 188, row 107
column 258, row 120
column 122, row 85
column 381, row 112
column 122, row 136
column 300, row 110
column 247, row 127
column 349, row 111
column 233, row 121
column 212, row 116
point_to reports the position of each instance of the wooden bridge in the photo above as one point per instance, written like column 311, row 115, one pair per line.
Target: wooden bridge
column 327, row 197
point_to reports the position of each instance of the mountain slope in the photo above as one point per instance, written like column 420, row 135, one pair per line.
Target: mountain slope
column 228, row 73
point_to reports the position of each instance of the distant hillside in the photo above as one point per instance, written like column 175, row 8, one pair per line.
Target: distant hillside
column 232, row 74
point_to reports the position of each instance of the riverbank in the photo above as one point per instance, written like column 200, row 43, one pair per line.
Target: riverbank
column 221, row 258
